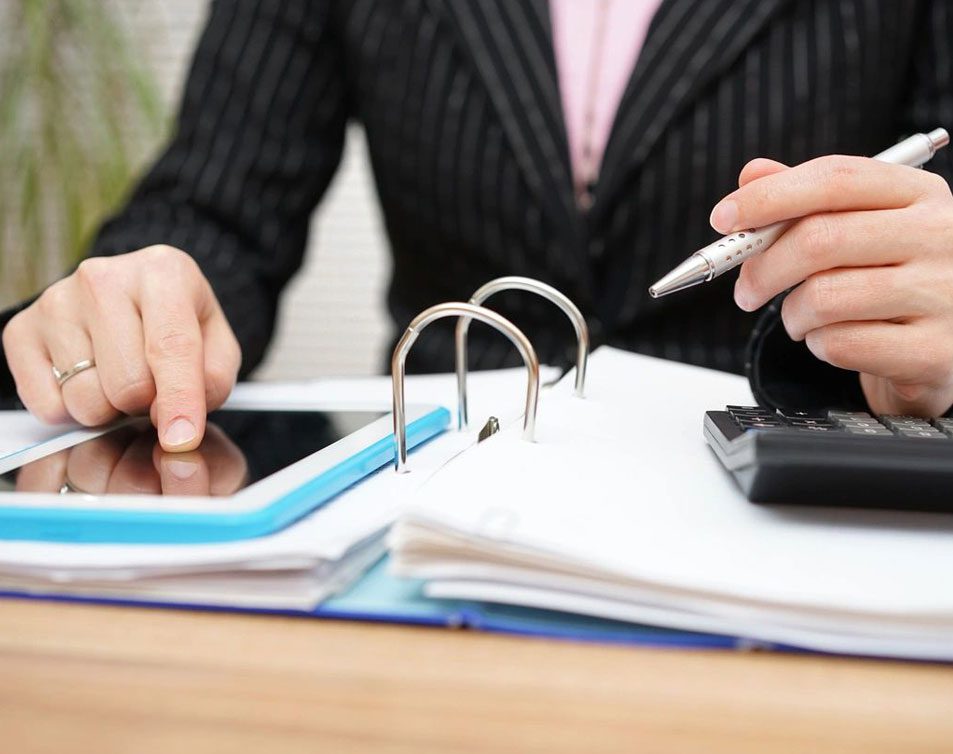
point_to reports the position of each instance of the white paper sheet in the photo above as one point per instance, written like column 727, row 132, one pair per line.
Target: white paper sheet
column 291, row 588
column 621, row 488
column 498, row 393
column 19, row 430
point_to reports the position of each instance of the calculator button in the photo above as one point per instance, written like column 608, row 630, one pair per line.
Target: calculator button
column 862, row 424
column 760, row 425
column 905, row 422
column 809, row 422
column 752, row 415
column 945, row 426
column 931, row 434
column 815, row 428
column 913, row 428
column 835, row 415
column 795, row 416
column 871, row 431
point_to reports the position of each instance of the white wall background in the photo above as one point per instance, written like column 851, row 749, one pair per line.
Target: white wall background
column 333, row 320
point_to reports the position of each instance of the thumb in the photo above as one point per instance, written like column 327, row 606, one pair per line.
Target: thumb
column 759, row 168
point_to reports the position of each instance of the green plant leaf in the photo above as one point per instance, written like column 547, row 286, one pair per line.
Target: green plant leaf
column 79, row 113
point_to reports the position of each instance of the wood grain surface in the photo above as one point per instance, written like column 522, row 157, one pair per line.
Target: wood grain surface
column 76, row 678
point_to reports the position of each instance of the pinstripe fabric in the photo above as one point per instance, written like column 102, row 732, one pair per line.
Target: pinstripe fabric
column 462, row 112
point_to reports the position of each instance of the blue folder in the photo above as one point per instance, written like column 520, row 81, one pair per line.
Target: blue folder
column 382, row 598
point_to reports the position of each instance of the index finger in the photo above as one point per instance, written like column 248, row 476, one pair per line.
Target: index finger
column 182, row 474
column 824, row 242
column 827, row 184
column 175, row 355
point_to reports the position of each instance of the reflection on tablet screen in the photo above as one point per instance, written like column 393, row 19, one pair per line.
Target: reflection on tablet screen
column 239, row 449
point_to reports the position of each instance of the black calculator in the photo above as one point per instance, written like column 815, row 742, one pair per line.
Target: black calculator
column 836, row 458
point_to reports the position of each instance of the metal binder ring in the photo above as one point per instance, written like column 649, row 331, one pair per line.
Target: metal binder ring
column 509, row 283
column 470, row 311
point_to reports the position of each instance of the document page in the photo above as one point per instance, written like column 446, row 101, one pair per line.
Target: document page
column 620, row 488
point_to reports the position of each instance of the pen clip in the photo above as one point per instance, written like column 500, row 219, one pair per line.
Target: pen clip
column 470, row 312
column 516, row 283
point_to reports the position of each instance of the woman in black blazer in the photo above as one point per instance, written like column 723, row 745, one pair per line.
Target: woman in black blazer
column 460, row 103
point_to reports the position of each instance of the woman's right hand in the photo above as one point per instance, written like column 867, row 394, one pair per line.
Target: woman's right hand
column 159, row 338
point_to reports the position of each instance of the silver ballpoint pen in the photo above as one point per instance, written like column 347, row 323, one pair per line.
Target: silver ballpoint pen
column 729, row 252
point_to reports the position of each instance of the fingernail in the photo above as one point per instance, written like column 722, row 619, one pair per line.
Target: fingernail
column 181, row 470
column 742, row 299
column 724, row 217
column 180, row 432
column 815, row 346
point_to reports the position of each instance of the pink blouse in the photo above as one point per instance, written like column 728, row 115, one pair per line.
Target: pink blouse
column 575, row 28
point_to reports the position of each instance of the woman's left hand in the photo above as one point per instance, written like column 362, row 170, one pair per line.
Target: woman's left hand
column 872, row 259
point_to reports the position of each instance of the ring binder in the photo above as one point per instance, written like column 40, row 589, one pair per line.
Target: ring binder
column 470, row 311
column 514, row 282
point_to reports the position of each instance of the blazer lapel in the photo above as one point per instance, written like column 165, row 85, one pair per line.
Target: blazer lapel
column 688, row 45
column 511, row 47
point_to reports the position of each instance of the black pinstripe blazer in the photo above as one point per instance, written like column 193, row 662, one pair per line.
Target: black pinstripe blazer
column 460, row 104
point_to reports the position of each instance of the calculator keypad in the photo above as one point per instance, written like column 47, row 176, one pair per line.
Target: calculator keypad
column 851, row 422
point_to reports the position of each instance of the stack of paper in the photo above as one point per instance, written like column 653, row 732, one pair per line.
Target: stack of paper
column 620, row 510
column 296, row 568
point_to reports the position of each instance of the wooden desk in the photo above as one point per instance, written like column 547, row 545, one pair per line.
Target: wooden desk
column 77, row 678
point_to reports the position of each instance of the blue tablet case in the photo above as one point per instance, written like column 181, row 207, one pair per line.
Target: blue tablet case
column 116, row 526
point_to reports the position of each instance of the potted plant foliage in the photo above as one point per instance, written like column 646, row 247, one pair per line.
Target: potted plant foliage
column 79, row 110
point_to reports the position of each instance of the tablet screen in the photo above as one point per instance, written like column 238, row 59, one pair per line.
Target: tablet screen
column 239, row 449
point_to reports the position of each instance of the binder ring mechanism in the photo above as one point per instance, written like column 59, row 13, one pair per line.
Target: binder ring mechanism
column 516, row 283
column 466, row 313
column 470, row 312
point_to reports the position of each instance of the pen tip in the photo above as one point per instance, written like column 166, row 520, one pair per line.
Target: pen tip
column 692, row 271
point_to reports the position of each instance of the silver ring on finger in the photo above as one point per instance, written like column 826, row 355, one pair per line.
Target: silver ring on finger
column 67, row 374
column 68, row 488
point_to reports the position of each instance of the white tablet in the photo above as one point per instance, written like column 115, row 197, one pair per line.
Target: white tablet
column 256, row 472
